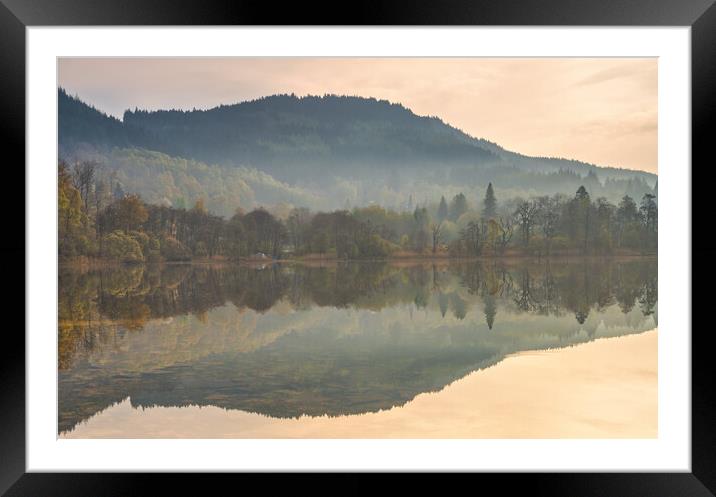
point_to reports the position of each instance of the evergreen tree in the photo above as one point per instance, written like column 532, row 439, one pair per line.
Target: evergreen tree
column 592, row 182
column 582, row 211
column 582, row 193
column 489, row 210
column 648, row 212
column 442, row 210
column 627, row 217
column 458, row 207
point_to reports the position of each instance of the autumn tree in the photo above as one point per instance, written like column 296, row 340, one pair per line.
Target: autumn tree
column 73, row 235
column 199, row 206
column 131, row 212
column 505, row 233
column 492, row 237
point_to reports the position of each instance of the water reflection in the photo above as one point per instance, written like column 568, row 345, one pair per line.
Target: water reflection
column 350, row 338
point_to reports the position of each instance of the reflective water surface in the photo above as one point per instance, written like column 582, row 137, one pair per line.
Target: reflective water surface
column 277, row 344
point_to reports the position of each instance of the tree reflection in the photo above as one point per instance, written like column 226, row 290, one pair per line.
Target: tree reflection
column 126, row 298
column 118, row 335
column 490, row 310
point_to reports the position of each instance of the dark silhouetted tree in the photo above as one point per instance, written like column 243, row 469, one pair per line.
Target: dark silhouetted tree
column 526, row 216
column 442, row 210
column 458, row 206
column 489, row 209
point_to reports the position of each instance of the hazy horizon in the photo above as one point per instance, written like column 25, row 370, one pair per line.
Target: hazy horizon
column 600, row 111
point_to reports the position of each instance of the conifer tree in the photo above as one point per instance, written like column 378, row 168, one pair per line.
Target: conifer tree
column 489, row 210
column 442, row 210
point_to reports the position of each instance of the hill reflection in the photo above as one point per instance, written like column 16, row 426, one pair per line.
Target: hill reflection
column 343, row 339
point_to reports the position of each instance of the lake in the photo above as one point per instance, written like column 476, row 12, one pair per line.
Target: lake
column 358, row 349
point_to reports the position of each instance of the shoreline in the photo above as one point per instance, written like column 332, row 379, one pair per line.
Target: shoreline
column 94, row 263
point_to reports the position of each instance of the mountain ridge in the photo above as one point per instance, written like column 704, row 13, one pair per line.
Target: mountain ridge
column 137, row 119
column 341, row 150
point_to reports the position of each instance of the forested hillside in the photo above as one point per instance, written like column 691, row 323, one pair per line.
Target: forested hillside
column 173, row 181
column 321, row 152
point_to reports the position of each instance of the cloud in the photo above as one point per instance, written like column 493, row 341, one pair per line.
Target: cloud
column 628, row 70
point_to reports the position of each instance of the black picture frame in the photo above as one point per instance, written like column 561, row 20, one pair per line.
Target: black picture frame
column 16, row 15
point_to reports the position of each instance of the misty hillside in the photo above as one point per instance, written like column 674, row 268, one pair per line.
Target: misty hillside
column 327, row 152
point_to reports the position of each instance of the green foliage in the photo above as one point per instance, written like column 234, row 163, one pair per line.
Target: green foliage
column 458, row 206
column 75, row 234
column 466, row 218
column 172, row 181
column 235, row 243
column 141, row 238
column 122, row 247
column 264, row 233
column 174, row 250
column 450, row 231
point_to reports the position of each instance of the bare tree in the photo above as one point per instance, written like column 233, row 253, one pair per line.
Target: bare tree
column 436, row 230
column 506, row 232
column 472, row 236
column 82, row 176
column 100, row 194
column 548, row 212
column 526, row 215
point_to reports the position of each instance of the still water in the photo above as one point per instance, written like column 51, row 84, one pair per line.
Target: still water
column 272, row 351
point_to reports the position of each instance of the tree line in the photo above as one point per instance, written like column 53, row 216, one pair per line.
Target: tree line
column 98, row 219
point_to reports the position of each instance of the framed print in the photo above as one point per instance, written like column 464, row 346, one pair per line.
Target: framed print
column 429, row 243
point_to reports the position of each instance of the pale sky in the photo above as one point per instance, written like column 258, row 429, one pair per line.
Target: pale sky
column 598, row 110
